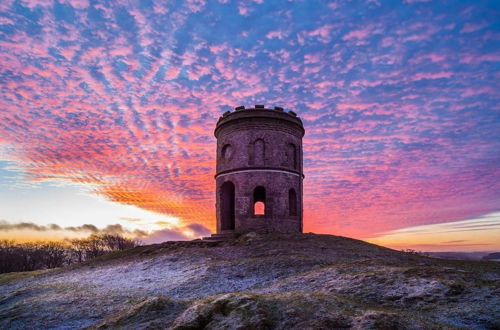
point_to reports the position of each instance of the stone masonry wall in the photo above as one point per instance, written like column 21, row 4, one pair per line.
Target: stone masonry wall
column 257, row 148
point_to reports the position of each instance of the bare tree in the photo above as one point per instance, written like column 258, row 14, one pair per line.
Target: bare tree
column 117, row 242
column 54, row 254
column 16, row 257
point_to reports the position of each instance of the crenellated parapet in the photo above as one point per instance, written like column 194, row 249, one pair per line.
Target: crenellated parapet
column 259, row 115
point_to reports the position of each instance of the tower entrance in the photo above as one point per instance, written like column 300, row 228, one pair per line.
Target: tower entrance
column 227, row 206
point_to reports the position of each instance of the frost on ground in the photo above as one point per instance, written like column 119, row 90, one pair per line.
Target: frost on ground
column 259, row 282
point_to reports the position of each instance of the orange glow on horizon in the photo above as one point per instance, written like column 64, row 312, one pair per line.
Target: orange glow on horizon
column 481, row 234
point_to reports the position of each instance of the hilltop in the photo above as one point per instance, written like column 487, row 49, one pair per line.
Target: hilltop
column 299, row 281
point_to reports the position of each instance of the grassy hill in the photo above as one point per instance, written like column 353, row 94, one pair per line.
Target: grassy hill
column 257, row 282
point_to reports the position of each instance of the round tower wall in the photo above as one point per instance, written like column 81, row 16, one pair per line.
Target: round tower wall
column 277, row 216
column 259, row 159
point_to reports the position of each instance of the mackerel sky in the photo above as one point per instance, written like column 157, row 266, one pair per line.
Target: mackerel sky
column 116, row 101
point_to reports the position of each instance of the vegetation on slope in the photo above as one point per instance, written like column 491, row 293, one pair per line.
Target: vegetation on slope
column 262, row 282
column 22, row 257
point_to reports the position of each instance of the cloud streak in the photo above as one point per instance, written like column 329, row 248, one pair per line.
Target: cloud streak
column 182, row 233
column 485, row 231
column 85, row 228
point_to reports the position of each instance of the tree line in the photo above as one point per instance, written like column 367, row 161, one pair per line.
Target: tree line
column 20, row 257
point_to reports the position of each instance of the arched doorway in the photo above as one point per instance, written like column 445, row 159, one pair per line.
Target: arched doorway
column 227, row 206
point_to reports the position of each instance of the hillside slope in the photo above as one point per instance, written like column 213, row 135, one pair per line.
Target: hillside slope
column 258, row 282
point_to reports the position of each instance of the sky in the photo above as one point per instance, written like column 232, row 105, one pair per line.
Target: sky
column 107, row 111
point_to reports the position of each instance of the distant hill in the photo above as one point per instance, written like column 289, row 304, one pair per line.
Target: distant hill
column 457, row 255
column 301, row 281
column 492, row 256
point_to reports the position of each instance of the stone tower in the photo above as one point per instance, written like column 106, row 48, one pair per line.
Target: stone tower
column 259, row 171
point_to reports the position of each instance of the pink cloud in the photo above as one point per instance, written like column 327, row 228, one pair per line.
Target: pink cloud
column 312, row 58
column 196, row 71
column 276, row 34
column 416, row 37
column 173, row 72
column 216, row 49
column 433, row 57
column 243, row 10
column 6, row 20
column 159, row 9
column 80, row 4
column 196, row 5
column 471, row 27
column 472, row 58
column 322, row 33
column 358, row 34
column 42, row 3
column 226, row 71
column 432, row 75
column 316, row 105
column 355, row 106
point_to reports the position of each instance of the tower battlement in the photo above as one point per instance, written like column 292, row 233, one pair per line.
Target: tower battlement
column 260, row 114
column 258, row 107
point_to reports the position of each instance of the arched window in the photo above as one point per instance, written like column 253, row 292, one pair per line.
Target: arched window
column 259, row 151
column 291, row 155
column 227, row 152
column 227, row 206
column 292, row 202
column 259, row 201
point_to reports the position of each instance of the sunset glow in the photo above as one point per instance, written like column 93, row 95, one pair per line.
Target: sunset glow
column 108, row 110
